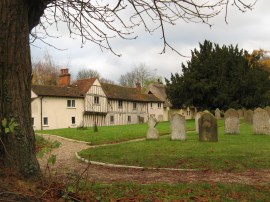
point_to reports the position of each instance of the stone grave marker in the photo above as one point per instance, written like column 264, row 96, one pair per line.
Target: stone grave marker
column 248, row 116
column 208, row 128
column 240, row 113
column 231, row 118
column 198, row 115
column 178, row 127
column 152, row 132
column 217, row 113
column 261, row 124
column 267, row 108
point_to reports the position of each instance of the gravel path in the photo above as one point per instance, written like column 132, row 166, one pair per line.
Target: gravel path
column 66, row 162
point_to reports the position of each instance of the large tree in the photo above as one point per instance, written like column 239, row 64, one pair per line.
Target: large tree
column 220, row 76
column 96, row 21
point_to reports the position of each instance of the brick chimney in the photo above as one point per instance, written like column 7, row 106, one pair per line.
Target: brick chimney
column 138, row 87
column 64, row 78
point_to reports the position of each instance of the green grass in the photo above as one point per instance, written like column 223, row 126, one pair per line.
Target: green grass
column 177, row 192
column 113, row 134
column 232, row 152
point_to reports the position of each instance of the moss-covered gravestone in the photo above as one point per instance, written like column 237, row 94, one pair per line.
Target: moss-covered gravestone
column 231, row 118
column 178, row 127
column 152, row 132
column 208, row 128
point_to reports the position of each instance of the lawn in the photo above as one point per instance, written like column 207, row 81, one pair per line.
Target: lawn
column 178, row 192
column 113, row 134
column 231, row 153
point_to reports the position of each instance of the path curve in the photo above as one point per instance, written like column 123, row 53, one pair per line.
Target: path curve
column 66, row 162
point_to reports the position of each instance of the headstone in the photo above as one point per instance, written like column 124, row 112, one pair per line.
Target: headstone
column 152, row 132
column 248, row 116
column 208, row 128
column 178, row 127
column 267, row 108
column 197, row 117
column 240, row 113
column 217, row 113
column 231, row 117
column 261, row 124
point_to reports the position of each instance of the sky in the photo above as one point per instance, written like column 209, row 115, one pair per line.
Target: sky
column 249, row 30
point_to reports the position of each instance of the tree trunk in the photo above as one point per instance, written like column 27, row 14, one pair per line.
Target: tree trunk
column 17, row 150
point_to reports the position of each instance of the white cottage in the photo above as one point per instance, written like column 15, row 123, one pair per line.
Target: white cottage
column 88, row 102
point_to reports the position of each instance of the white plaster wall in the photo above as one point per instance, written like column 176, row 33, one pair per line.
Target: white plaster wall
column 59, row 115
column 156, row 111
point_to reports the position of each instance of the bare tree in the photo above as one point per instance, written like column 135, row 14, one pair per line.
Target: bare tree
column 45, row 71
column 95, row 21
column 87, row 73
column 141, row 74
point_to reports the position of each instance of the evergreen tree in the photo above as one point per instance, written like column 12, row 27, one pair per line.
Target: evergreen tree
column 219, row 77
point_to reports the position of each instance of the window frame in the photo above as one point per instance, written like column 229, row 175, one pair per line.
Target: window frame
column 45, row 123
column 120, row 104
column 71, row 103
column 159, row 105
column 73, row 120
column 129, row 119
column 111, row 119
column 134, row 106
column 96, row 100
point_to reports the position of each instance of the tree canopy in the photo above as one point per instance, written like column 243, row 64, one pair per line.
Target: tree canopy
column 220, row 77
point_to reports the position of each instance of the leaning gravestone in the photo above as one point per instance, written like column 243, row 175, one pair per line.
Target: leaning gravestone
column 178, row 127
column 217, row 113
column 261, row 123
column 267, row 108
column 197, row 117
column 208, row 128
column 152, row 132
column 248, row 116
column 231, row 121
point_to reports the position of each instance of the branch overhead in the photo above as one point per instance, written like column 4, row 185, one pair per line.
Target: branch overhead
column 101, row 21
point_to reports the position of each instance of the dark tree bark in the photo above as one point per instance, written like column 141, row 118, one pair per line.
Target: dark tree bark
column 17, row 151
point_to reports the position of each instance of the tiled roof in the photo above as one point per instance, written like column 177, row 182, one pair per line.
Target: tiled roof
column 80, row 88
column 84, row 85
column 56, row 91
column 127, row 93
column 159, row 90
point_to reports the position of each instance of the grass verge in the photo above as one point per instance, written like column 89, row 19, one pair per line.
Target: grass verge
column 231, row 153
column 179, row 192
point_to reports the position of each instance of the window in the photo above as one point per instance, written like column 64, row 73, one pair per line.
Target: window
column 96, row 100
column 120, row 104
column 159, row 105
column 134, row 106
column 151, row 105
column 188, row 113
column 45, row 121
column 33, row 121
column 111, row 119
column 129, row 119
column 73, row 120
column 70, row 103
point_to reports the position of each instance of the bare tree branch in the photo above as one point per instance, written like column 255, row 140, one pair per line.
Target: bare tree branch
column 102, row 21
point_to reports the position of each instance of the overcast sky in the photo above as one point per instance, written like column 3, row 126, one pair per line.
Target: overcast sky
column 250, row 30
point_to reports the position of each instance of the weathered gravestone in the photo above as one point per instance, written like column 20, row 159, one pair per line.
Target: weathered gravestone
column 267, row 108
column 208, row 128
column 178, row 127
column 248, row 116
column 217, row 113
column 197, row 117
column 261, row 123
column 240, row 113
column 231, row 117
column 152, row 132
